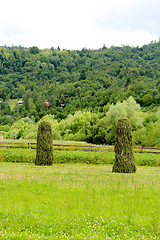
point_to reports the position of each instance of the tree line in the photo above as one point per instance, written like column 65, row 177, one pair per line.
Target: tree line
column 82, row 92
column 92, row 127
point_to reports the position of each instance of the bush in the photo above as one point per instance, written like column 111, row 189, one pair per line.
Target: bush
column 28, row 156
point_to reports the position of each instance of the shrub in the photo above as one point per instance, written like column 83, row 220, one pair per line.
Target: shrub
column 124, row 157
column 44, row 148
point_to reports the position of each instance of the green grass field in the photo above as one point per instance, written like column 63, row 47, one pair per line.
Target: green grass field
column 78, row 201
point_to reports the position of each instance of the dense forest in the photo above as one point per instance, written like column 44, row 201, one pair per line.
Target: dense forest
column 67, row 85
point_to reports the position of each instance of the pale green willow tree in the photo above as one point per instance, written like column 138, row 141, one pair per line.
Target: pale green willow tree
column 128, row 109
column 56, row 135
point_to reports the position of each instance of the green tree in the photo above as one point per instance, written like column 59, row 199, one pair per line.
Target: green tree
column 127, row 109
column 82, row 75
column 56, row 135
column 34, row 50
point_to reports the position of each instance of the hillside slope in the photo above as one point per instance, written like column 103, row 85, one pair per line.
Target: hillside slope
column 76, row 80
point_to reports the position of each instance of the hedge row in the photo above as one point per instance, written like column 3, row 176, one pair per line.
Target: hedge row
column 28, row 156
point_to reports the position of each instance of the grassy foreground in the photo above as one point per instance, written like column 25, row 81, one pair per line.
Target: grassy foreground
column 78, row 201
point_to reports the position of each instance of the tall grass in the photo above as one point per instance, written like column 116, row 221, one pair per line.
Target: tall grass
column 78, row 201
column 28, row 155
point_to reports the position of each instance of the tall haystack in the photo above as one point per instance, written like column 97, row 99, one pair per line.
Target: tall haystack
column 44, row 149
column 124, row 157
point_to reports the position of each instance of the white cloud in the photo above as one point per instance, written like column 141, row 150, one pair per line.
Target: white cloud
column 76, row 24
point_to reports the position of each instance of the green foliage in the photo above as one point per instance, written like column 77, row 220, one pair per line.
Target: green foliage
column 79, row 126
column 90, row 126
column 56, row 135
column 127, row 109
column 148, row 135
column 44, row 147
column 28, row 155
column 24, row 155
column 150, row 159
column 17, row 155
column 34, row 50
column 24, row 128
column 81, row 80
column 124, row 157
column 6, row 120
column 83, row 157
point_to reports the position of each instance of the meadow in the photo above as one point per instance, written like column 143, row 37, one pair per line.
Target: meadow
column 78, row 201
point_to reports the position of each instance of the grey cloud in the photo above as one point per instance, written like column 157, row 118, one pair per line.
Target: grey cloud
column 143, row 16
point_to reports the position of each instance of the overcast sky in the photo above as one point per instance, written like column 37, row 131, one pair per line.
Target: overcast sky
column 75, row 24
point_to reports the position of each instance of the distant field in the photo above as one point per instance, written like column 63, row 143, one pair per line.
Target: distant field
column 78, row 201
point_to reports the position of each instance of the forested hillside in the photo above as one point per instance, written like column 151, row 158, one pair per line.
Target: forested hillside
column 86, row 79
column 62, row 82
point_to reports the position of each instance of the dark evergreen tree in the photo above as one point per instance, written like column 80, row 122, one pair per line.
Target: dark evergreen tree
column 124, row 157
column 44, row 149
column 34, row 50
column 82, row 75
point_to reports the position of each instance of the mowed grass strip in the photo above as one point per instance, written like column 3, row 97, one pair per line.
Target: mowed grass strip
column 78, row 201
